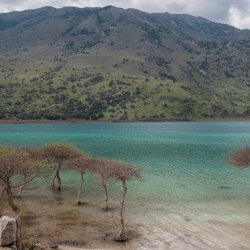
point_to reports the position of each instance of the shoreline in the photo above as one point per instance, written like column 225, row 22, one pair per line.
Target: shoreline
column 44, row 121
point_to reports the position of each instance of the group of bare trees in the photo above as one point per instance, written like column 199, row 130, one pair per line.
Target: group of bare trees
column 19, row 166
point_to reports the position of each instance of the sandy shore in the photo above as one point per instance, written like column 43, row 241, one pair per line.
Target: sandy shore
column 90, row 121
column 74, row 248
column 43, row 121
column 199, row 225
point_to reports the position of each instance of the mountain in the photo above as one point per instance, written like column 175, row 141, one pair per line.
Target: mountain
column 114, row 63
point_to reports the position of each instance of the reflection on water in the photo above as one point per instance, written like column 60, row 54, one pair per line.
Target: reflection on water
column 190, row 198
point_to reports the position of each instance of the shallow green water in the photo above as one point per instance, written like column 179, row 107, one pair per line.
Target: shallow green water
column 184, row 164
column 176, row 153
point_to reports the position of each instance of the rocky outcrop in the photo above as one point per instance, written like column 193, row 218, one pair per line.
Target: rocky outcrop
column 8, row 231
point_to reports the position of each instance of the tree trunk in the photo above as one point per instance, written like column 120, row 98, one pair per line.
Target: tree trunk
column 22, row 187
column 1, row 196
column 122, row 236
column 58, row 179
column 106, row 197
column 19, row 244
column 57, row 176
column 53, row 180
column 10, row 197
column 79, row 190
column 21, row 190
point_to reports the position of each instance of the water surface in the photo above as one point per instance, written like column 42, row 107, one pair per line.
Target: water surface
column 190, row 197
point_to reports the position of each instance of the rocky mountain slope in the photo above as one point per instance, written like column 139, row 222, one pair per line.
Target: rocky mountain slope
column 112, row 63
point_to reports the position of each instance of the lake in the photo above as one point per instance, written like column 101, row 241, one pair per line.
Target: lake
column 190, row 198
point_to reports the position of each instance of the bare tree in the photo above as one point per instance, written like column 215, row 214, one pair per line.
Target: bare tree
column 82, row 165
column 36, row 155
column 14, row 163
column 240, row 158
column 125, row 172
column 59, row 153
column 104, row 170
column 109, row 171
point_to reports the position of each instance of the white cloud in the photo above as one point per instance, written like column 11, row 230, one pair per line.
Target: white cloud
column 235, row 12
column 238, row 18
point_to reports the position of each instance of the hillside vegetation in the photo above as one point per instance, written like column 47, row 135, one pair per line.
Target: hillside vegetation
column 111, row 63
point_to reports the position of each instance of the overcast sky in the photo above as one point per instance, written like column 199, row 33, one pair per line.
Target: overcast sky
column 234, row 12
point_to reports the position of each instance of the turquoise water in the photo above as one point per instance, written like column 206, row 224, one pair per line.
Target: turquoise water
column 181, row 160
column 177, row 152
column 184, row 165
